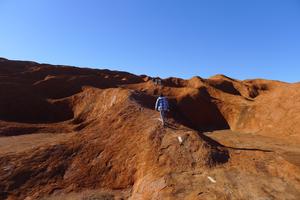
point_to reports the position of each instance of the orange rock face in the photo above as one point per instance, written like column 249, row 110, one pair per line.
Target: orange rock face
column 79, row 133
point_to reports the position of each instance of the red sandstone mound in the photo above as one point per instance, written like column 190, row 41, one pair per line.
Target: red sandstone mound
column 79, row 133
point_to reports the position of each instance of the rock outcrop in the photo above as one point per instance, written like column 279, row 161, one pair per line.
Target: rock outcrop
column 79, row 133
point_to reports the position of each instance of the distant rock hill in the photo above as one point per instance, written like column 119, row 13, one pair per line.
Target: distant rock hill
column 80, row 133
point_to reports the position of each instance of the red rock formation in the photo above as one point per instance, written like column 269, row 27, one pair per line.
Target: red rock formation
column 78, row 133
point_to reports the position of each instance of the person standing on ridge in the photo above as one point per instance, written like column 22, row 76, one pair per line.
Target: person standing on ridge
column 162, row 105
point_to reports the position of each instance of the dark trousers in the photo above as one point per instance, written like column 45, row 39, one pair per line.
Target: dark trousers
column 163, row 116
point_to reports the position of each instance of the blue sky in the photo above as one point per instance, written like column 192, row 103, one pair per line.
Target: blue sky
column 183, row 38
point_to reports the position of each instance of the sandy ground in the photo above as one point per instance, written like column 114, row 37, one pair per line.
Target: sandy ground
column 288, row 148
column 17, row 144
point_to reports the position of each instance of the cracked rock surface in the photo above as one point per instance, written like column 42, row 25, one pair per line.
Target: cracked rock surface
column 79, row 133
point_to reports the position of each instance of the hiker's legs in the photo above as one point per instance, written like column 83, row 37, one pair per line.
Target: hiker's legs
column 162, row 116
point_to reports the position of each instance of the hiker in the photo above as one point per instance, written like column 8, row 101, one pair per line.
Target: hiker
column 162, row 105
column 157, row 81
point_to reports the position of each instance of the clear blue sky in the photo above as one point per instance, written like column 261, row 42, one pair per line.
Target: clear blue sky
column 183, row 38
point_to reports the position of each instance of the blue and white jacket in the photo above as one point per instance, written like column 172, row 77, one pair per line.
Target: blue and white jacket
column 162, row 104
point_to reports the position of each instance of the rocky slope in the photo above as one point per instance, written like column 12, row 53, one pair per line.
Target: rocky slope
column 79, row 133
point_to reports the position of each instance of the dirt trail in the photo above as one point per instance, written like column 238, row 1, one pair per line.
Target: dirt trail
column 79, row 133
